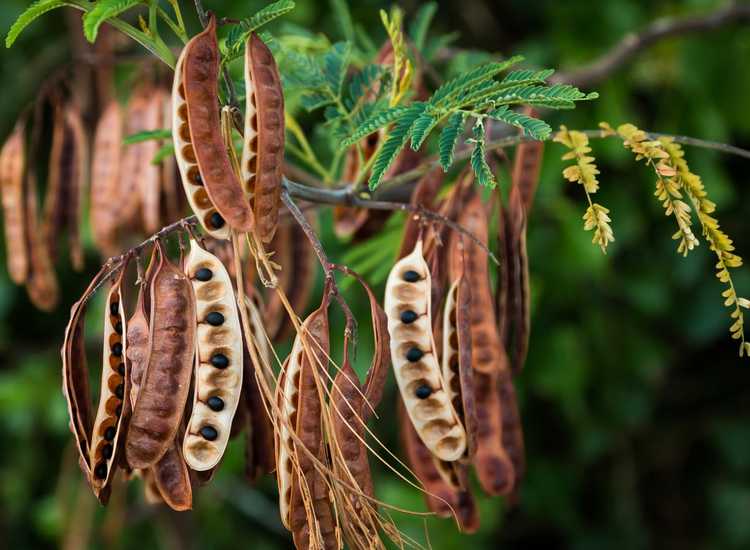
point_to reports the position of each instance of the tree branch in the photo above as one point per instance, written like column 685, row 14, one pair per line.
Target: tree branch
column 634, row 43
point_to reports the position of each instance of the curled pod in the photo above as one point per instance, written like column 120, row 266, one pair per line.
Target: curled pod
column 172, row 479
column 527, row 164
column 218, row 375
column 41, row 283
column 414, row 358
column 111, row 416
column 166, row 382
column 518, row 312
column 198, row 69
column 457, row 358
column 441, row 497
column 512, row 433
column 105, row 175
column 263, row 147
column 12, row 166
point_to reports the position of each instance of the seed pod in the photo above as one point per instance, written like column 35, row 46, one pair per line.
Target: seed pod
column 12, row 166
column 196, row 81
column 441, row 497
column 111, row 416
column 424, row 194
column 413, row 354
column 151, row 493
column 518, row 268
column 263, row 148
column 41, row 284
column 456, row 358
column 105, row 175
column 512, row 434
column 527, row 163
column 165, row 385
column 150, row 182
column 172, row 479
column 218, row 375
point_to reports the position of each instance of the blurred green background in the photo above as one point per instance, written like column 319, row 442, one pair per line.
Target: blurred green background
column 634, row 401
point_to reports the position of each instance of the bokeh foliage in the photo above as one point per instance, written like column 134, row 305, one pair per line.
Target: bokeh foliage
column 634, row 401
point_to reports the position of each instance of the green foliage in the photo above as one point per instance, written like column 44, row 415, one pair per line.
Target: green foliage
column 103, row 10
column 235, row 42
column 162, row 133
column 530, row 126
column 449, row 137
column 395, row 141
column 478, row 161
column 35, row 10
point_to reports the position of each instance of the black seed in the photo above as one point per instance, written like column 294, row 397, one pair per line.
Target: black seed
column 109, row 433
column 198, row 179
column 408, row 316
column 414, row 354
column 118, row 410
column 121, row 369
column 423, row 392
column 107, row 451
column 101, row 471
column 217, row 222
column 209, row 433
column 119, row 391
column 219, row 360
column 114, row 308
column 411, row 276
column 204, row 274
column 215, row 318
column 215, row 403
column 118, row 327
column 117, row 349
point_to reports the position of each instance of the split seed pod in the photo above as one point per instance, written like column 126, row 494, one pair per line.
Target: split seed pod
column 105, row 174
column 218, row 375
column 12, row 166
column 263, row 148
column 166, row 382
column 414, row 358
column 201, row 152
column 172, row 479
column 512, row 430
column 518, row 274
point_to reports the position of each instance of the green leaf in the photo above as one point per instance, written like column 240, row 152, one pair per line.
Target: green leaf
column 103, row 10
column 362, row 82
column 559, row 96
column 162, row 133
column 393, row 144
column 335, row 63
column 28, row 16
column 420, row 25
column 344, row 18
column 449, row 137
column 422, row 127
column 478, row 161
column 528, row 76
column 315, row 101
column 268, row 14
column 448, row 91
column 375, row 122
column 532, row 127
column 165, row 151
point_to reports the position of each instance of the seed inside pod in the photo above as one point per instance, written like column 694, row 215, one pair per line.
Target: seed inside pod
column 408, row 316
column 219, row 360
column 121, row 369
column 411, row 276
column 117, row 349
column 215, row 403
column 414, row 354
column 120, row 391
column 109, row 433
column 204, row 274
column 101, row 470
column 118, row 410
column 423, row 392
column 118, row 327
column 209, row 433
column 215, row 318
column 114, row 308
column 107, row 451
column 217, row 222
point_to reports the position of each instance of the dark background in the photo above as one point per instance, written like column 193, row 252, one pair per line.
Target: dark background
column 634, row 400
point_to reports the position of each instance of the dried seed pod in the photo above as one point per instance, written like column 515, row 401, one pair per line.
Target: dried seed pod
column 172, row 479
column 518, row 268
column 151, row 493
column 196, row 82
column 111, row 415
column 41, row 283
column 457, row 358
column 12, row 166
column 105, row 176
column 512, row 433
column 263, row 148
column 527, row 163
column 424, row 194
column 414, row 358
column 218, row 375
column 440, row 496
column 150, row 182
column 161, row 400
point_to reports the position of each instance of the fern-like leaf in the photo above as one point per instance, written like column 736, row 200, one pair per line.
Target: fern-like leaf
column 335, row 63
column 449, row 90
column 422, row 128
column 362, row 83
column 376, row 122
column 103, row 10
column 449, row 137
column 29, row 15
column 393, row 144
column 268, row 14
column 478, row 161
column 532, row 127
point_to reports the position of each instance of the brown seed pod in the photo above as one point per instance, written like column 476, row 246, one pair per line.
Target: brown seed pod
column 172, row 479
column 111, row 416
column 424, row 194
column 12, row 166
column 414, row 358
column 518, row 275
column 263, row 147
column 512, row 433
column 440, row 496
column 527, row 164
column 218, row 375
column 105, row 176
column 166, row 382
column 151, row 493
column 199, row 71
column 41, row 284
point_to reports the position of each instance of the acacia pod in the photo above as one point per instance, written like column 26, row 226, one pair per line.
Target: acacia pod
column 512, row 433
column 457, row 358
column 151, row 493
column 440, row 496
column 172, row 479
column 527, row 164
column 111, row 414
column 199, row 73
column 377, row 374
column 105, row 175
column 424, row 194
column 166, row 382
column 263, row 147
column 41, row 283
column 218, row 375
column 414, row 358
column 518, row 267
column 12, row 166
column 150, row 182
